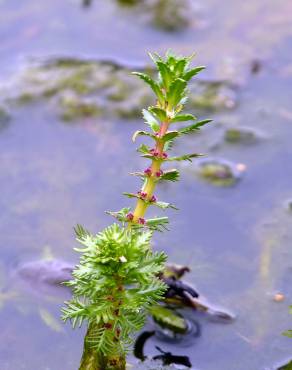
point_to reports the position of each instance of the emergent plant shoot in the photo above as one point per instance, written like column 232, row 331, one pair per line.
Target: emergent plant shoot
column 116, row 281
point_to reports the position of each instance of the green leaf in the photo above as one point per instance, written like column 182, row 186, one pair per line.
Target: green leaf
column 155, row 57
column 164, row 205
column 143, row 133
column 180, row 66
column 117, row 251
column 151, row 156
column 144, row 149
column 80, row 232
column 120, row 215
column 192, row 72
column 186, row 157
column 159, row 113
column 176, row 92
column 183, row 117
column 138, row 174
column 168, row 145
column 195, row 127
column 170, row 135
column 74, row 310
column 165, row 73
column 131, row 195
column 158, row 223
column 150, row 120
column 170, row 175
column 153, row 84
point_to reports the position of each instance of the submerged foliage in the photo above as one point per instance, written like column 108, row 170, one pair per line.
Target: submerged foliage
column 117, row 280
column 114, row 258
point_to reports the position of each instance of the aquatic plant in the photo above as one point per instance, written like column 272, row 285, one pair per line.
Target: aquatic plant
column 288, row 333
column 117, row 280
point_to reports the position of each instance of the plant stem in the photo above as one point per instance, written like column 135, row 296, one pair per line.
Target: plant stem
column 92, row 359
column 150, row 183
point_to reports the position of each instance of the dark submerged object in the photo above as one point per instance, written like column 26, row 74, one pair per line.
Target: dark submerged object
column 182, row 294
column 140, row 343
column 179, row 288
column 86, row 3
column 167, row 358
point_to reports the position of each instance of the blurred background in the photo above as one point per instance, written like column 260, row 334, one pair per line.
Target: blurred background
column 68, row 108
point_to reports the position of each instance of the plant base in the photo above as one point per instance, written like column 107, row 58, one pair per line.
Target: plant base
column 94, row 360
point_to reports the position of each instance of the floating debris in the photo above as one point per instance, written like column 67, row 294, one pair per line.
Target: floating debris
column 169, row 15
column 73, row 108
column 169, row 319
column 278, row 297
column 220, row 172
column 240, row 135
column 80, row 88
column 213, row 96
column 77, row 89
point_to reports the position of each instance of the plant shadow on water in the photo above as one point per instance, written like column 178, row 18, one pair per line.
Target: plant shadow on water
column 236, row 239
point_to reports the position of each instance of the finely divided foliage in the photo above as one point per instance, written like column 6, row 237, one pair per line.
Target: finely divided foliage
column 116, row 280
column 113, row 284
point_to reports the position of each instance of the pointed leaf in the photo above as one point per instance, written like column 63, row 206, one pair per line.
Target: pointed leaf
column 195, row 127
column 170, row 175
column 131, row 195
column 151, row 156
column 168, row 145
column 159, row 113
column 158, row 223
column 139, row 174
column 165, row 74
column 143, row 133
column 153, row 84
column 120, row 215
column 183, row 118
column 176, row 92
column 170, row 135
column 164, row 205
column 186, row 157
column 192, row 72
column 150, row 120
column 144, row 149
column 180, row 66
